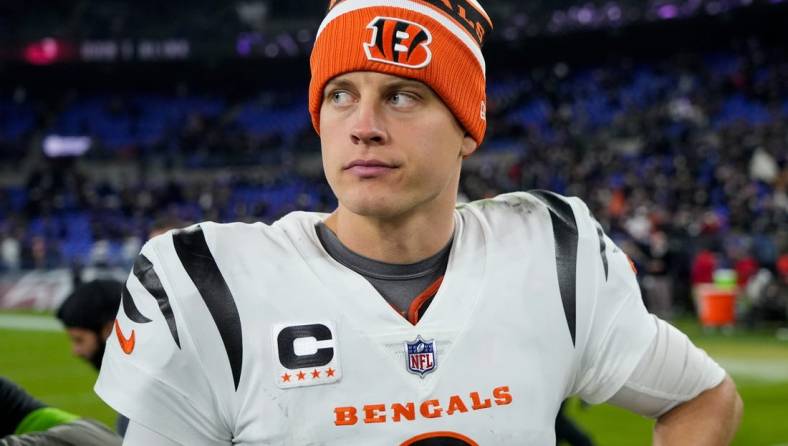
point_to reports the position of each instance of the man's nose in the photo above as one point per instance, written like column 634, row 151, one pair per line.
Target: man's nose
column 369, row 128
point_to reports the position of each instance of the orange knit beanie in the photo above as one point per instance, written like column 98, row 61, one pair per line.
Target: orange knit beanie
column 437, row 42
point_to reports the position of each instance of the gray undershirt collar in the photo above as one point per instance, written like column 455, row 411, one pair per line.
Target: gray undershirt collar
column 376, row 269
column 398, row 284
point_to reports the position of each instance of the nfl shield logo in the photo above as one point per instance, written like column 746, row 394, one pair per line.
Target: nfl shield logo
column 422, row 356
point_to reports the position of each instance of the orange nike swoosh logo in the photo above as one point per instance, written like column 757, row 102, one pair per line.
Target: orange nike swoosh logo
column 126, row 344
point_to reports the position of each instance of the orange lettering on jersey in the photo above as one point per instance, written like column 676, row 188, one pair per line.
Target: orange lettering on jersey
column 408, row 411
column 435, row 412
column 345, row 416
column 455, row 405
column 502, row 396
column 372, row 413
column 477, row 402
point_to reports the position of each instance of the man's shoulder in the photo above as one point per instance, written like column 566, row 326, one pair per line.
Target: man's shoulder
column 508, row 202
column 524, row 203
column 185, row 256
column 237, row 235
column 533, row 212
column 214, row 229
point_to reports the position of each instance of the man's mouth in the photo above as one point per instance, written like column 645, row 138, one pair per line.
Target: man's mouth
column 369, row 168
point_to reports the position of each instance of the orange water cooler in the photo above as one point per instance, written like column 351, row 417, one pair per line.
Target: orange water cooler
column 717, row 306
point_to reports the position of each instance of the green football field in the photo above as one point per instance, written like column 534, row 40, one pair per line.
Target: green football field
column 40, row 360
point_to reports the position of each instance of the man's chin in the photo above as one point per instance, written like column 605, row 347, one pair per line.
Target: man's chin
column 377, row 214
column 373, row 207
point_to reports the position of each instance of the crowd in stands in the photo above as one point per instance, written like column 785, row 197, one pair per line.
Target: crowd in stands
column 683, row 161
column 119, row 19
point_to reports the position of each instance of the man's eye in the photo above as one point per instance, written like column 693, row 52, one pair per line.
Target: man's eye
column 402, row 99
column 340, row 97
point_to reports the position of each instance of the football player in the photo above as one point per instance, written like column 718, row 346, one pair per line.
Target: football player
column 88, row 315
column 401, row 318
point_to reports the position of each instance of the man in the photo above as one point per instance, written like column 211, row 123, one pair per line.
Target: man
column 88, row 314
column 25, row 421
column 400, row 318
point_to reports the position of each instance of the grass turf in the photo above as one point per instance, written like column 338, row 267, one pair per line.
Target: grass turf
column 758, row 363
column 41, row 362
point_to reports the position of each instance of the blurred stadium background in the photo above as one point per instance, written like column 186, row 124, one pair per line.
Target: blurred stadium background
column 669, row 117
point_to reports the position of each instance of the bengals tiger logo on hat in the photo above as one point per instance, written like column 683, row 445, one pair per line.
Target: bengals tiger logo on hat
column 399, row 42
column 437, row 42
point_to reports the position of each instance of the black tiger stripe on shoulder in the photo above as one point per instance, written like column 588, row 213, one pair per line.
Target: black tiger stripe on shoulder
column 130, row 308
column 200, row 265
column 602, row 249
column 143, row 269
column 566, row 240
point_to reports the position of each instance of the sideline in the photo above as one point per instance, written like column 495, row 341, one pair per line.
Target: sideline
column 29, row 322
column 772, row 370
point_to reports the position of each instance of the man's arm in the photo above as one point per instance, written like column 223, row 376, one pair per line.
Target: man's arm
column 711, row 418
column 670, row 380
column 692, row 398
column 152, row 371
column 15, row 405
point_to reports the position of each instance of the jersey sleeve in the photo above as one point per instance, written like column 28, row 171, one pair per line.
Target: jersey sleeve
column 614, row 328
column 672, row 371
column 152, row 372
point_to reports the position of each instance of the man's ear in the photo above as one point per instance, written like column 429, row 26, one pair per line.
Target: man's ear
column 468, row 146
column 106, row 330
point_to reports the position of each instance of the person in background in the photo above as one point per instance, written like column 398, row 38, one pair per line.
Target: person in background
column 658, row 282
column 88, row 315
column 25, row 421
column 767, row 295
column 164, row 224
column 702, row 273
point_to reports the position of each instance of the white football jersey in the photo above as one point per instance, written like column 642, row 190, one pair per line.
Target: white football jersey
column 252, row 334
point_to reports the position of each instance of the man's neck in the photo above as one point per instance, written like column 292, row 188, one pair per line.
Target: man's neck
column 400, row 241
